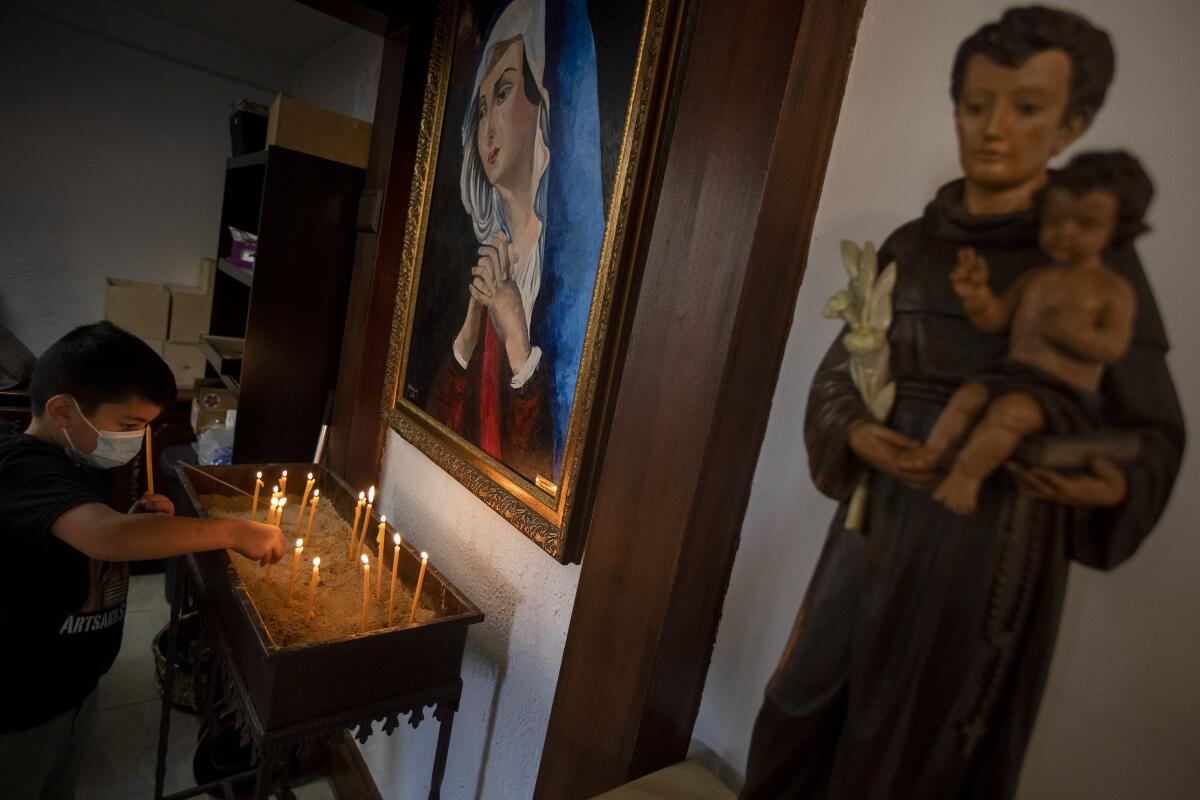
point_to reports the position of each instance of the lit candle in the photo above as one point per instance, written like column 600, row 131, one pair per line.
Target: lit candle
column 362, row 539
column 295, row 568
column 277, row 523
column 149, row 464
column 283, row 483
column 312, row 512
column 275, row 497
column 362, row 498
column 258, row 484
column 392, row 591
column 270, row 520
column 366, row 589
column 307, row 488
column 379, row 559
column 412, row 614
column 312, row 587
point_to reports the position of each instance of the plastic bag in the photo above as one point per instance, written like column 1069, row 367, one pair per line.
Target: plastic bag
column 215, row 445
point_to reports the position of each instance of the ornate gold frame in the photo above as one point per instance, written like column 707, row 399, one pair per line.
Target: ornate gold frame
column 544, row 513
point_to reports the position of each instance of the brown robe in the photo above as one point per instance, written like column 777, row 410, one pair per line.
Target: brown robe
column 919, row 656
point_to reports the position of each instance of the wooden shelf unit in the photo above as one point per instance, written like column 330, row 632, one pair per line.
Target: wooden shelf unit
column 291, row 309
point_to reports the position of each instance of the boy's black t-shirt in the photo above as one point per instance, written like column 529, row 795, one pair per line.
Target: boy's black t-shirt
column 64, row 612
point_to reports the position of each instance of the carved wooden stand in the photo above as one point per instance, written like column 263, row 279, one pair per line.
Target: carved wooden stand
column 274, row 747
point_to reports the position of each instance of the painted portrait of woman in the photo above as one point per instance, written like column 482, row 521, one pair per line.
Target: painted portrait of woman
column 532, row 200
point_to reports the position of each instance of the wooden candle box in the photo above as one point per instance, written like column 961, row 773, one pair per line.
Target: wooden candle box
column 289, row 685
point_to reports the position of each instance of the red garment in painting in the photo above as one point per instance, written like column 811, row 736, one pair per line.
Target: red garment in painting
column 479, row 403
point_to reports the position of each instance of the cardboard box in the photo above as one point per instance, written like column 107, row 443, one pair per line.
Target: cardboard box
column 208, row 274
column 190, row 312
column 185, row 360
column 319, row 132
column 211, row 404
column 140, row 308
column 191, row 306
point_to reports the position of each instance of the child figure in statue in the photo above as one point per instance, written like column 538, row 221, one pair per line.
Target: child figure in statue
column 1066, row 321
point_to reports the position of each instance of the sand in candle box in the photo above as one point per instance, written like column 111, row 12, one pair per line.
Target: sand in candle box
column 339, row 593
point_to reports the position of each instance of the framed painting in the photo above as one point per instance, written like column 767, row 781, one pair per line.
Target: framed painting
column 528, row 190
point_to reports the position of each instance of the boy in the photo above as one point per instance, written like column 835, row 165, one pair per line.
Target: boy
column 1065, row 321
column 63, row 550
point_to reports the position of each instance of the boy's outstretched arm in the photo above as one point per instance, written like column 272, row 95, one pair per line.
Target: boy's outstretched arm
column 101, row 533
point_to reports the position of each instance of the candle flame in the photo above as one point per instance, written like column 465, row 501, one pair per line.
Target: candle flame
column 316, row 562
column 362, row 496
column 275, row 489
column 316, row 493
column 299, row 543
column 364, row 559
column 274, row 502
column 283, row 501
column 310, row 476
column 396, row 539
column 258, row 475
column 424, row 556
column 382, row 518
column 283, row 474
column 371, row 495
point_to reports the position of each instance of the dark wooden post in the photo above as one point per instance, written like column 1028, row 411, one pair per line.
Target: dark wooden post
column 757, row 104
column 357, row 432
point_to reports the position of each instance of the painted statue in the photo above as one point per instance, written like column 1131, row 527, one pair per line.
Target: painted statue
column 1066, row 322
column 920, row 653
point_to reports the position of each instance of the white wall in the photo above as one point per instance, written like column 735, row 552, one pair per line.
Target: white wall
column 1122, row 708
column 113, row 140
column 113, row 137
column 345, row 77
column 512, row 658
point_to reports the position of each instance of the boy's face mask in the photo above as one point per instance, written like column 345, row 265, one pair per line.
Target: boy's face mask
column 113, row 448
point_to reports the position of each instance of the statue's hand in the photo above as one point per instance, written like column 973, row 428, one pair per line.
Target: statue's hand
column 882, row 448
column 1105, row 486
column 970, row 275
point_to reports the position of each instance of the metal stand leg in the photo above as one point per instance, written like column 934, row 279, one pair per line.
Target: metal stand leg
column 262, row 779
column 443, row 750
column 168, row 689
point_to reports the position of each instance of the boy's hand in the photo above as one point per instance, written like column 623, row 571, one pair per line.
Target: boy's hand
column 153, row 504
column 258, row 541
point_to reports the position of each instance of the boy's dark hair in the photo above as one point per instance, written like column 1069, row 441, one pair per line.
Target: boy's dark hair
column 1113, row 171
column 1024, row 32
column 100, row 363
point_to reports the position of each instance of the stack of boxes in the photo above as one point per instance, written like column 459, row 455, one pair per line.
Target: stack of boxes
column 170, row 318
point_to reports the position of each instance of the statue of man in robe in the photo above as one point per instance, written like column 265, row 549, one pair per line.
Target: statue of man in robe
column 920, row 653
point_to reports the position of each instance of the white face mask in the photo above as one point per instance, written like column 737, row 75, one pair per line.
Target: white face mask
column 113, row 448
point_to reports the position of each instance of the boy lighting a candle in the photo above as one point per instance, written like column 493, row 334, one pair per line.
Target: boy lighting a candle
column 93, row 394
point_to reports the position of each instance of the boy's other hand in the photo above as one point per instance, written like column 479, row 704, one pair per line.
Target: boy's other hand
column 153, row 504
column 258, row 541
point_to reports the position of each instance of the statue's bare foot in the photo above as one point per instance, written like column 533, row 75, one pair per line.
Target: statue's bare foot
column 958, row 493
column 923, row 458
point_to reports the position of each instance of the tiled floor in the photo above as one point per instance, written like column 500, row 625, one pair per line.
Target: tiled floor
column 119, row 760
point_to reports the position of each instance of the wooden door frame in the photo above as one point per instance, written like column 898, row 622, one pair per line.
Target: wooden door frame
column 755, row 98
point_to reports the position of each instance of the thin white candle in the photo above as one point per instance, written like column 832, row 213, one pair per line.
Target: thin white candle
column 295, row 568
column 258, row 484
column 392, row 590
column 412, row 614
column 362, row 499
column 366, row 571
